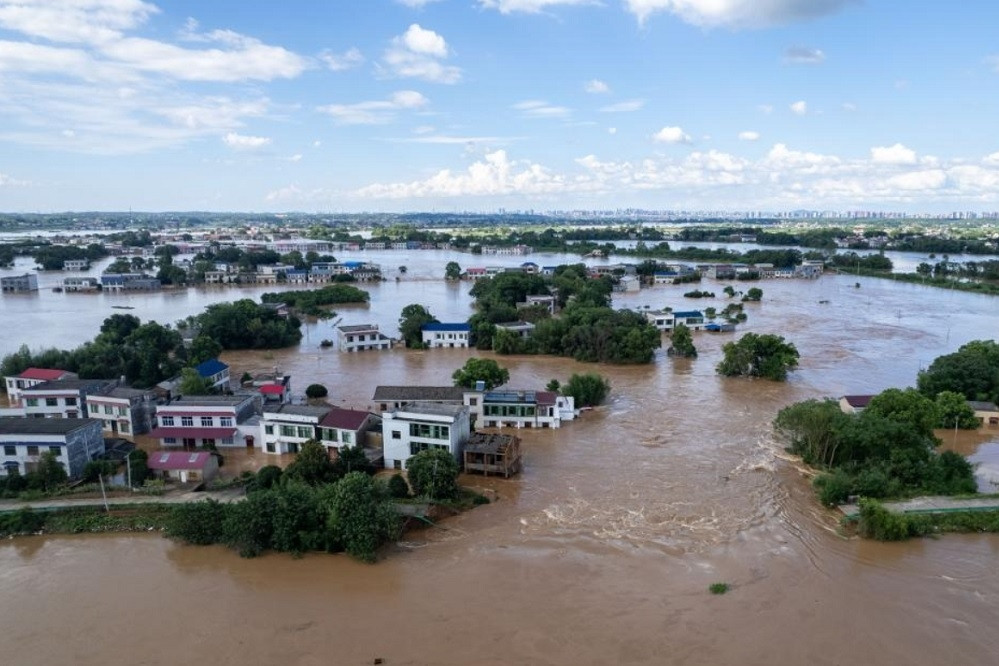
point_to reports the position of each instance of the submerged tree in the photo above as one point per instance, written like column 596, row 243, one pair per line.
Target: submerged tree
column 683, row 342
column 767, row 355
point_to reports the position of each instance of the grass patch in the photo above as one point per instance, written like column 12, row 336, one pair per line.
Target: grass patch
column 718, row 588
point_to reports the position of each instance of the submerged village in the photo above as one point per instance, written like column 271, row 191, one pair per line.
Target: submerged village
column 148, row 427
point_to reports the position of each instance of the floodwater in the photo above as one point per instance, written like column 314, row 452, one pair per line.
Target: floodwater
column 601, row 552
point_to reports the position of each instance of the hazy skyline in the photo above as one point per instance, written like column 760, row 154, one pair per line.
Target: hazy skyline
column 394, row 105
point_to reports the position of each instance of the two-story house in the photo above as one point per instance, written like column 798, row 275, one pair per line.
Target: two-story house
column 362, row 337
column 207, row 421
column 215, row 372
column 396, row 397
column 23, row 440
column 407, row 431
column 438, row 335
column 519, row 409
column 341, row 428
column 122, row 411
column 284, row 428
column 32, row 377
column 62, row 398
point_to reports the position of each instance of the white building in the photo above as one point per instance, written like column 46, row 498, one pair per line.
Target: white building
column 519, row 409
column 446, row 335
column 75, row 442
column 32, row 377
column 75, row 265
column 666, row 320
column 342, row 428
column 80, row 284
column 284, row 428
column 207, row 421
column 62, row 398
column 15, row 283
column 361, row 337
column 407, row 431
column 122, row 411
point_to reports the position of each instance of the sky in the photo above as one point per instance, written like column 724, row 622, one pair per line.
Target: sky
column 483, row 105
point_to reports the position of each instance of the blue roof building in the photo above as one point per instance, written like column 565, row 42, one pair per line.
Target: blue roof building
column 446, row 335
column 215, row 371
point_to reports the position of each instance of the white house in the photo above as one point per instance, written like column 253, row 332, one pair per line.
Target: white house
column 362, row 337
column 62, row 398
column 75, row 265
column 396, row 397
column 207, row 421
column 122, row 411
column 80, row 284
column 183, row 466
column 32, row 377
column 519, row 409
column 666, row 320
column 446, row 335
column 407, row 431
column 15, row 283
column 75, row 442
column 284, row 428
column 215, row 372
column 345, row 428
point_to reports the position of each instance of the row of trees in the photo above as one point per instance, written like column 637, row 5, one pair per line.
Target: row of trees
column 972, row 372
column 314, row 302
column 245, row 324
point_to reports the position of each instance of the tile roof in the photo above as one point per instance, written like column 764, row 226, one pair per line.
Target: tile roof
column 980, row 406
column 857, row 401
column 194, row 433
column 45, row 374
column 170, row 460
column 26, row 425
column 210, row 367
column 272, row 389
column 416, row 393
column 447, row 327
column 345, row 419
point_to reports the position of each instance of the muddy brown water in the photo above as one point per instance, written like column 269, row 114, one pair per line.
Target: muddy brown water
column 601, row 552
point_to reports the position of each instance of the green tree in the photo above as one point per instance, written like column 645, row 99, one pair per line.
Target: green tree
column 360, row 518
column 298, row 519
column 203, row 348
column 767, row 355
column 906, row 406
column 312, row 465
column 972, row 371
column 49, row 474
column 197, row 523
column 352, row 459
column 191, row 383
column 452, row 271
column 268, row 476
column 683, row 342
column 397, row 487
column 433, row 473
column 138, row 462
column 587, row 389
column 480, row 369
column 729, row 291
column 554, row 386
column 753, row 294
column 411, row 322
column 316, row 391
column 953, row 409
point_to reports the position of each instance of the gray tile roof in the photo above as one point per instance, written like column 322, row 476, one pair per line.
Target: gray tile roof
column 22, row 425
column 418, row 393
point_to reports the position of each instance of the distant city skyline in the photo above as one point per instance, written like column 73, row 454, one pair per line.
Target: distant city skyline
column 482, row 105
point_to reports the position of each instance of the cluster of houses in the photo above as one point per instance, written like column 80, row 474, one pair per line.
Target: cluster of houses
column 319, row 272
column 55, row 411
column 987, row 413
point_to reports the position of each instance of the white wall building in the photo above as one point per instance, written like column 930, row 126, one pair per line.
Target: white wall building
column 32, row 377
column 361, row 337
column 75, row 442
column 407, row 431
column 446, row 335
column 284, row 428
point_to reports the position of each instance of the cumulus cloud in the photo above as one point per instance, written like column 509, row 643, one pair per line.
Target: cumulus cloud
column 245, row 142
column 737, row 13
column 749, row 135
column 419, row 53
column 536, row 108
column 626, row 106
column 596, row 87
column 799, row 108
column 375, row 112
column 896, row 154
column 416, row 3
column 529, row 6
column 339, row 62
column 671, row 135
column 803, row 55
column 73, row 21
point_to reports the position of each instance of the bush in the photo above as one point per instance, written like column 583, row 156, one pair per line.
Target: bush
column 877, row 522
column 397, row 487
column 198, row 523
column 434, row 474
column 587, row 389
column 718, row 588
column 316, row 391
column 268, row 476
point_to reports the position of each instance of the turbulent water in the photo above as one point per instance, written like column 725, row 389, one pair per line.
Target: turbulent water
column 601, row 552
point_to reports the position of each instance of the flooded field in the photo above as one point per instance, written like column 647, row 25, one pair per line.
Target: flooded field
column 601, row 552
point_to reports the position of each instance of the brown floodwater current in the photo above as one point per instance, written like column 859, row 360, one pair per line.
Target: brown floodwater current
column 600, row 552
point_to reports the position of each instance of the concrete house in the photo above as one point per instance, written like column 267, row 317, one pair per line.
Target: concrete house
column 519, row 409
column 341, row 428
column 987, row 413
column 284, row 428
column 76, row 265
column 122, row 411
column 80, row 284
column 361, row 337
column 19, row 283
column 62, row 398
column 215, row 371
column 407, row 431
column 33, row 377
column 396, row 397
column 75, row 442
column 666, row 320
column 446, row 335
column 854, row 404
column 183, row 466
column 208, row 420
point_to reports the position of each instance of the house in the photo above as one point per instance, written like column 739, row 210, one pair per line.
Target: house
column 80, row 284
column 446, row 335
column 33, row 377
column 284, row 428
column 276, row 392
column 340, row 428
column 854, row 404
column 122, row 411
column 76, row 264
column 987, row 413
column 492, row 454
column 519, row 409
column 546, row 301
column 474, row 273
column 397, row 397
column 664, row 277
column 361, row 337
column 215, row 372
column 720, row 271
column 19, row 283
column 118, row 282
column 628, row 284
column 183, row 466
column 62, row 398
column 75, row 442
column 207, row 421
column 522, row 329
column 666, row 320
column 407, row 431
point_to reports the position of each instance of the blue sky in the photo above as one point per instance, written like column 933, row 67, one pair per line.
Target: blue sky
column 403, row 105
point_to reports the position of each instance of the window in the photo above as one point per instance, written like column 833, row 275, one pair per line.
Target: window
column 287, row 431
column 226, row 421
column 71, row 415
column 227, row 441
column 427, row 431
column 71, row 402
column 346, row 437
column 416, row 447
column 32, row 402
column 123, row 427
column 108, row 409
column 270, row 447
column 51, row 402
column 206, row 422
column 396, row 434
column 397, row 464
column 166, row 420
column 472, row 402
column 208, row 443
column 122, row 411
column 169, row 440
column 32, row 450
column 304, row 432
column 268, row 430
column 57, row 450
column 187, row 421
column 9, row 450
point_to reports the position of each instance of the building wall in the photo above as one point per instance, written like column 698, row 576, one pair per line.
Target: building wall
column 438, row 339
column 285, row 433
column 398, row 440
column 68, row 404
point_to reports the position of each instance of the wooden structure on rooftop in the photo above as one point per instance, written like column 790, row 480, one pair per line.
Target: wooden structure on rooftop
column 492, row 454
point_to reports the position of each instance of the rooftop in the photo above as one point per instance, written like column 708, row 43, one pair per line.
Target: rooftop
column 44, row 374
column 357, row 328
column 857, row 401
column 434, row 409
column 315, row 411
column 439, row 326
column 211, row 367
column 480, row 442
column 168, row 460
column 24, row 425
column 980, row 406
column 72, row 385
column 417, row 393
column 345, row 419
column 688, row 313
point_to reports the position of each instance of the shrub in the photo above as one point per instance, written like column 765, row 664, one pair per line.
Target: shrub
column 434, row 473
column 397, row 487
column 316, row 391
column 268, row 476
column 718, row 588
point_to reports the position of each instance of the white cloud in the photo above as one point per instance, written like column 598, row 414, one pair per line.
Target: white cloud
column 418, row 53
column 918, row 180
column 416, row 4
column 896, row 154
column 596, row 87
column 529, row 6
column 74, row 21
column 992, row 159
column 626, row 106
column 339, row 62
column 799, row 108
column 849, row 107
column 534, row 108
column 7, row 181
column 766, row 109
column 737, row 13
column 375, row 112
column 749, row 135
column 803, row 55
column 612, row 130
column 245, row 142
column 671, row 135
column 452, row 140
column 297, row 157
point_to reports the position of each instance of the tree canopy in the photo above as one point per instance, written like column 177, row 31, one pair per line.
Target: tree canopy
column 683, row 342
column 433, row 473
column 248, row 325
column 587, row 389
column 754, row 355
column 481, row 369
column 972, row 371
column 411, row 321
